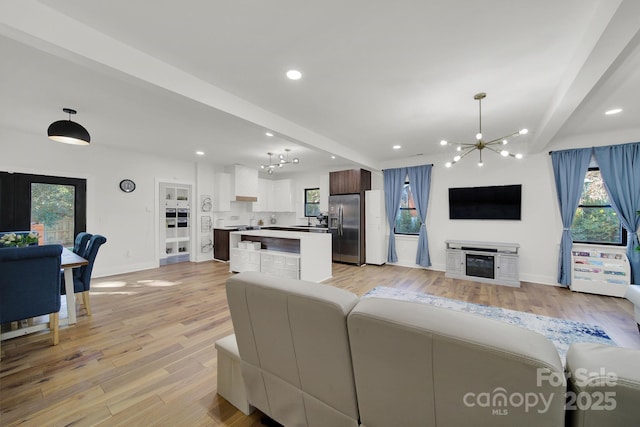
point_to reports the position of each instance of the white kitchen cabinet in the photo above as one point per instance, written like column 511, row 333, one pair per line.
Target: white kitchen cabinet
column 265, row 187
column 324, row 193
column 222, row 194
column 244, row 260
column 280, row 264
column 244, row 183
column 283, row 196
column 274, row 196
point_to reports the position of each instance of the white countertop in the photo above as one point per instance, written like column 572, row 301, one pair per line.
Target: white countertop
column 306, row 227
column 301, row 235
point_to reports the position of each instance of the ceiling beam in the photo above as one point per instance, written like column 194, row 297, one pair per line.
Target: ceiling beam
column 610, row 33
column 44, row 28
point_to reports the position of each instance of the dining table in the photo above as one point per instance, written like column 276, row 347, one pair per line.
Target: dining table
column 69, row 261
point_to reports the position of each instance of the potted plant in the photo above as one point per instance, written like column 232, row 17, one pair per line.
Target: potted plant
column 19, row 240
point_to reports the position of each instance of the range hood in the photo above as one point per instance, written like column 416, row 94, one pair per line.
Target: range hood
column 244, row 183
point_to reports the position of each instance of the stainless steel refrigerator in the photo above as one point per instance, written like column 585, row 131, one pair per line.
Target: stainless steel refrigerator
column 345, row 227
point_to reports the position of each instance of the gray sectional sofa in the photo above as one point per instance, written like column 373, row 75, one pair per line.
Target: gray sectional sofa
column 315, row 355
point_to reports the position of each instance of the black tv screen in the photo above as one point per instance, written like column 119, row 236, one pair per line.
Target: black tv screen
column 496, row 202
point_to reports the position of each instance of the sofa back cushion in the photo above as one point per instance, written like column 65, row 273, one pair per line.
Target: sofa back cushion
column 604, row 386
column 294, row 348
column 417, row 364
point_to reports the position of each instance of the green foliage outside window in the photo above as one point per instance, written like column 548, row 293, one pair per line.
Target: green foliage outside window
column 311, row 202
column 595, row 220
column 51, row 203
column 407, row 219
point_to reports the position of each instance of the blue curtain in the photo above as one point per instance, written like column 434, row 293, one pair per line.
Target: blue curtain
column 420, row 181
column 620, row 169
column 393, row 183
column 569, row 168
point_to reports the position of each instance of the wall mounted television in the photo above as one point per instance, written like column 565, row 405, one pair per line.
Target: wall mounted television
column 495, row 202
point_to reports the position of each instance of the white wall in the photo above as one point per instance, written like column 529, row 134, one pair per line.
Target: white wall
column 204, row 187
column 538, row 233
column 128, row 221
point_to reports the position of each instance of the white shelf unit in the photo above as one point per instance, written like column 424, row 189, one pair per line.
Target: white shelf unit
column 175, row 223
column 500, row 262
column 275, row 263
column 600, row 269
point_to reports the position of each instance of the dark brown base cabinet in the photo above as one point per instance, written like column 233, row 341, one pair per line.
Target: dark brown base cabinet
column 221, row 243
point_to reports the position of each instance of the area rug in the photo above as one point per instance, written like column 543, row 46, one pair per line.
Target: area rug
column 560, row 332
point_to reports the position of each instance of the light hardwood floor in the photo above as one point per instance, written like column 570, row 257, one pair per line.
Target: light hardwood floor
column 147, row 357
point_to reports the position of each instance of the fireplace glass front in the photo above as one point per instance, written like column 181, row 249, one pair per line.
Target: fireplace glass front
column 480, row 265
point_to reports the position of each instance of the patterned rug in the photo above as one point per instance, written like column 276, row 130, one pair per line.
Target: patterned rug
column 560, row 332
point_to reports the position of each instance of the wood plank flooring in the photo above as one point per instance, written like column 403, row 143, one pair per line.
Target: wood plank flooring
column 147, row 356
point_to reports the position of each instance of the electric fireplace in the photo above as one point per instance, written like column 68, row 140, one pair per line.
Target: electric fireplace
column 480, row 265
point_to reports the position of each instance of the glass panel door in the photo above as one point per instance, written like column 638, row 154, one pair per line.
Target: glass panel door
column 54, row 206
column 52, row 213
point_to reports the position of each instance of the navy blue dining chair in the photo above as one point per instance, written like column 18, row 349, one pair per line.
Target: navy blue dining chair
column 82, row 279
column 30, row 284
column 80, row 244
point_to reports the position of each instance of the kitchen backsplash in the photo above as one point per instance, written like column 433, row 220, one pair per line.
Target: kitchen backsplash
column 241, row 214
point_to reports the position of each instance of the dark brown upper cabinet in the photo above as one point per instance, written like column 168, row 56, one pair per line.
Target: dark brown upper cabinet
column 352, row 181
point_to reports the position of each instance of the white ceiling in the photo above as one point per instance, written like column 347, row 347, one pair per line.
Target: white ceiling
column 173, row 77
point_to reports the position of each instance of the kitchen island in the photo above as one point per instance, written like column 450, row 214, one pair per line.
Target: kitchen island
column 296, row 254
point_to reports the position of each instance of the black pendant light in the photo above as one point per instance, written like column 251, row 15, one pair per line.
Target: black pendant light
column 68, row 132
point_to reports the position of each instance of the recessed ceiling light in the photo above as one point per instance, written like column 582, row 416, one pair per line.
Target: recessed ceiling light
column 333, row 157
column 614, row 111
column 200, row 153
column 397, row 147
column 268, row 133
column 294, row 74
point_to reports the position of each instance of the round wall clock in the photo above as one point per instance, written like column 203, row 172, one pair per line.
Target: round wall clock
column 127, row 185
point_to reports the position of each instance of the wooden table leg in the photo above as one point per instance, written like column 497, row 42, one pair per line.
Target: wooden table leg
column 71, row 296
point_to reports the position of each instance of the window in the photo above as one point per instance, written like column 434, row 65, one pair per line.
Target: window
column 595, row 220
column 55, row 207
column 407, row 219
column 311, row 202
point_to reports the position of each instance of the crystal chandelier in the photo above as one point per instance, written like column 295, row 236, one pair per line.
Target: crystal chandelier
column 480, row 144
column 283, row 160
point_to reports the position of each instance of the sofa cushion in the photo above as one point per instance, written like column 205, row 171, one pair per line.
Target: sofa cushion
column 417, row 364
column 604, row 386
column 633, row 295
column 294, row 347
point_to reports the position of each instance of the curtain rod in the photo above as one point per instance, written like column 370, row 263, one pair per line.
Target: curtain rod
column 430, row 164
